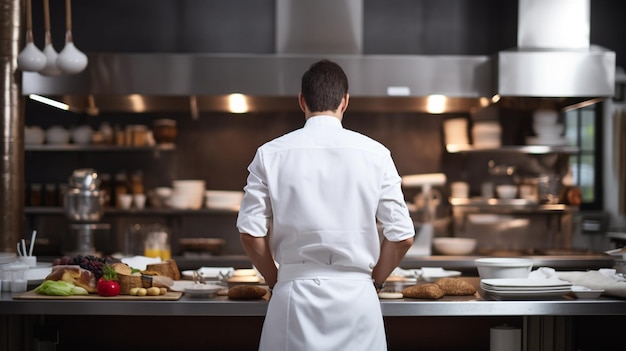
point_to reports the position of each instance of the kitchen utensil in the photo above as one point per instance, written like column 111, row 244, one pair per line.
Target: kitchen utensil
column 30, row 58
column 50, row 68
column 32, row 242
column 70, row 59
column 84, row 179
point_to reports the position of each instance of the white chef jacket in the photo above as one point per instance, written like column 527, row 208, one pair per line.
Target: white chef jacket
column 321, row 189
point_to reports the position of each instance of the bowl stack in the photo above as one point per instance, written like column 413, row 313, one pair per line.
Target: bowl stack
column 223, row 199
column 455, row 131
column 187, row 194
column 486, row 134
column 547, row 129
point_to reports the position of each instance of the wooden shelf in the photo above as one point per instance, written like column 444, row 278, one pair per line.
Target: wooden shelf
column 525, row 149
column 92, row 148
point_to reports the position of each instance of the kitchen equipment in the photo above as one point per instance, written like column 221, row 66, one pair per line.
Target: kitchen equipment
column 57, row 135
column 30, row 58
column 83, row 204
column 70, row 59
column 51, row 68
column 454, row 246
column 502, row 267
column 213, row 246
column 188, row 193
column 427, row 201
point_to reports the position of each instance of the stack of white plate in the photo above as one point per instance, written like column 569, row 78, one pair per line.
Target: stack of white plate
column 547, row 129
column 455, row 131
column 486, row 134
column 525, row 288
column 187, row 193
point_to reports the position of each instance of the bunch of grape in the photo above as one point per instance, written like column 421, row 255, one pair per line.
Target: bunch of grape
column 90, row 263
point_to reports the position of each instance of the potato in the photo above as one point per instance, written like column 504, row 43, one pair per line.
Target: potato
column 142, row 292
column 153, row 291
column 133, row 291
column 163, row 291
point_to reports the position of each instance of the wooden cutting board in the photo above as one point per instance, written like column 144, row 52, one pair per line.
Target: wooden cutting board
column 32, row 295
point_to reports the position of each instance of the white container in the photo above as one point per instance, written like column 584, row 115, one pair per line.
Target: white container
column 459, row 190
column 223, row 199
column 506, row 191
column 500, row 267
column 454, row 246
column 17, row 277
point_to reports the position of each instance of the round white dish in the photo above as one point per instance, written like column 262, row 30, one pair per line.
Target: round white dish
column 583, row 292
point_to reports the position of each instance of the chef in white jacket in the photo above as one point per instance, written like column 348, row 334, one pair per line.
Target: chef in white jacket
column 308, row 222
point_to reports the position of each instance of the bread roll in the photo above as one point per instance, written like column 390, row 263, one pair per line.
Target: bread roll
column 423, row 291
column 455, row 286
column 246, row 292
column 168, row 268
column 129, row 281
column 74, row 274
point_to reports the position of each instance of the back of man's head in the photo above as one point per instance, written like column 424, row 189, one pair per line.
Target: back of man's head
column 324, row 84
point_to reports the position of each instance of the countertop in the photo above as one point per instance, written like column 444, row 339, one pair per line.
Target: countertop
column 464, row 264
column 221, row 306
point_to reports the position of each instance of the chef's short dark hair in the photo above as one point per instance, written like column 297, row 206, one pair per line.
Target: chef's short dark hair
column 324, row 84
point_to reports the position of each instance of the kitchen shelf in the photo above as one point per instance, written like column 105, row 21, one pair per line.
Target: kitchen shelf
column 92, row 148
column 525, row 149
column 507, row 205
column 42, row 210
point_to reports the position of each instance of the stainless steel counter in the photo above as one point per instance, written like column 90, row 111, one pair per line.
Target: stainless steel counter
column 464, row 264
column 221, row 306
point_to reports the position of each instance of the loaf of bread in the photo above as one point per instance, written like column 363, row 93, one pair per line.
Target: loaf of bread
column 74, row 274
column 167, row 268
column 423, row 291
column 455, row 286
column 246, row 292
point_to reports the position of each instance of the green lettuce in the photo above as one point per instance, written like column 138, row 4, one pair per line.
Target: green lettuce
column 59, row 288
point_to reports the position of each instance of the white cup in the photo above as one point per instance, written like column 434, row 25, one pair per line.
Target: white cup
column 125, row 201
column 30, row 261
column 487, row 190
column 459, row 190
column 139, row 200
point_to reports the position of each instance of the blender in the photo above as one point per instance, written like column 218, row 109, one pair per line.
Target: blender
column 84, row 208
column 426, row 202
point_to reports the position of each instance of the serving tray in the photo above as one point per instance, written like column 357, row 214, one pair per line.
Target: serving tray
column 32, row 295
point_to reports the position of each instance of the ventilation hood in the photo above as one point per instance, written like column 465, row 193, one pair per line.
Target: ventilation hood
column 533, row 74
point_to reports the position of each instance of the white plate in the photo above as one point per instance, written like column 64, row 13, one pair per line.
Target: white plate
column 546, row 141
column 523, row 289
column 185, row 286
column 527, row 295
column 209, row 272
column 582, row 292
column 525, row 283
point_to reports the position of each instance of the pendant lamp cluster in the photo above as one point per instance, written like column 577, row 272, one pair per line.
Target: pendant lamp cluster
column 50, row 63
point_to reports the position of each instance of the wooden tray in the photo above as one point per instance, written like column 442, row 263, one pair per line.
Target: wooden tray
column 32, row 295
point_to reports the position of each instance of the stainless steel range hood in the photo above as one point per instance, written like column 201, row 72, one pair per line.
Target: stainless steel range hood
column 196, row 83
column 554, row 64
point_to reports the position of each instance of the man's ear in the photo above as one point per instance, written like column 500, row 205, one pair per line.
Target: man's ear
column 344, row 103
column 301, row 102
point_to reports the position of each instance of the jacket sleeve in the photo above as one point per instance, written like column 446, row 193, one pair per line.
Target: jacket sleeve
column 392, row 212
column 255, row 212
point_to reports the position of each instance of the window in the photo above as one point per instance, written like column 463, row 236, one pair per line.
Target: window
column 584, row 130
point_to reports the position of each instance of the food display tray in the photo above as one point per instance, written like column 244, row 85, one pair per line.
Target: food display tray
column 32, row 295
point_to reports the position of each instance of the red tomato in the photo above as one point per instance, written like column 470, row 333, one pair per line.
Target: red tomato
column 108, row 287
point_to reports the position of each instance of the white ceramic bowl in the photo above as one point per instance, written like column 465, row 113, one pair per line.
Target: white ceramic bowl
column 501, row 267
column 34, row 135
column 549, row 131
column 57, row 135
column 223, row 198
column 454, row 246
column 506, row 191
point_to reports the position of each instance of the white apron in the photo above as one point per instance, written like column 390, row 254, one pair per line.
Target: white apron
column 323, row 309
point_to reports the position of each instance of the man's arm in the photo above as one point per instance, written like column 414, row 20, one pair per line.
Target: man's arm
column 391, row 253
column 258, row 249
